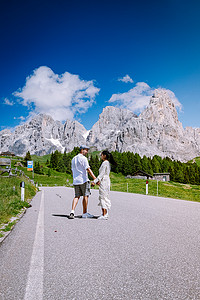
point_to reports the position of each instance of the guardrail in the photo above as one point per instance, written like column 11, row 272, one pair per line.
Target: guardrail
column 13, row 172
column 10, row 172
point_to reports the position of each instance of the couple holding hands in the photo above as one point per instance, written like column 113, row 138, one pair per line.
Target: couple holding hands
column 80, row 170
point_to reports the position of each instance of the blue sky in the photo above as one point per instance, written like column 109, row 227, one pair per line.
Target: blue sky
column 66, row 58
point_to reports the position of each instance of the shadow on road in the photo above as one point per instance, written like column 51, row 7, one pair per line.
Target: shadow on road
column 76, row 217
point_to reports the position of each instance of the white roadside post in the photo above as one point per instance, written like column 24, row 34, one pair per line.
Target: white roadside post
column 147, row 187
column 127, row 187
column 22, row 185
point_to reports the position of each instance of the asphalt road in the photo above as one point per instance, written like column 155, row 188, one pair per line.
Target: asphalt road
column 148, row 249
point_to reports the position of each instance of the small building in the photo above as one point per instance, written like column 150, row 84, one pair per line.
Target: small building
column 156, row 176
column 7, row 153
column 141, row 175
column 161, row 176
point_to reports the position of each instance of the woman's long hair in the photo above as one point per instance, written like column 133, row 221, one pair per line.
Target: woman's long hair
column 109, row 157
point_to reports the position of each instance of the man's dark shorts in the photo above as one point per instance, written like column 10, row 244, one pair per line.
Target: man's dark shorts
column 82, row 189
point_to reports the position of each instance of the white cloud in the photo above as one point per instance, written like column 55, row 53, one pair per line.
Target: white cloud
column 8, row 102
column 20, row 118
column 137, row 98
column 126, row 79
column 61, row 96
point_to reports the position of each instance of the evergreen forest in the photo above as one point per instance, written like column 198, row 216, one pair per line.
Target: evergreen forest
column 127, row 164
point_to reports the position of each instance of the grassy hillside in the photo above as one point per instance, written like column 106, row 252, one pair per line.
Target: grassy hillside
column 41, row 159
column 10, row 196
column 165, row 189
column 56, row 178
column 197, row 160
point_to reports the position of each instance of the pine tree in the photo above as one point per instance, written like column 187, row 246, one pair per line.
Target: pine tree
column 137, row 162
column 125, row 168
column 179, row 174
column 186, row 175
column 165, row 165
column 55, row 157
column 117, row 157
column 49, row 172
column 75, row 151
column 38, row 169
column 27, row 158
column 196, row 173
column 150, row 166
column 68, row 164
column 60, row 165
column 172, row 173
column 97, row 162
column 52, row 161
column 131, row 163
column 155, row 164
column 192, row 174
column 145, row 164
column 94, row 165
column 65, row 158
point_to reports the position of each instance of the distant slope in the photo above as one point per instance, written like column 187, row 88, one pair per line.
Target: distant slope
column 197, row 160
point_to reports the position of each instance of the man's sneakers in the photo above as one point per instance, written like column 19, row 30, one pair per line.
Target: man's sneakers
column 71, row 216
column 87, row 215
column 103, row 217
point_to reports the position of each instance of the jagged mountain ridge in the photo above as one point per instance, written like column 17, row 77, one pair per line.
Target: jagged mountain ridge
column 156, row 130
column 42, row 135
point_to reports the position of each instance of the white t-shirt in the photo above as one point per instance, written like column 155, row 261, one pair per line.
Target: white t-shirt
column 79, row 169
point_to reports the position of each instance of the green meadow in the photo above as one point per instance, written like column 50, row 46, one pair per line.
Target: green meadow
column 163, row 189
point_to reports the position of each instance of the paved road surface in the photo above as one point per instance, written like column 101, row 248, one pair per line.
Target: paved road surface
column 148, row 249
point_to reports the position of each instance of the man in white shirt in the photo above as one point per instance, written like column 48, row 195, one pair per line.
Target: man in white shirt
column 80, row 170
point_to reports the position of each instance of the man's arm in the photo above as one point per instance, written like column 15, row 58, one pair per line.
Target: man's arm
column 91, row 173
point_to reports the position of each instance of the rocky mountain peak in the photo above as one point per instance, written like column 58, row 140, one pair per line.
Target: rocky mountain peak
column 113, row 118
column 5, row 132
column 111, row 122
column 161, row 110
column 110, row 111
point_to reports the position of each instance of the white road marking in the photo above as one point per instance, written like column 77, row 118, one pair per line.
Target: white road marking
column 34, row 287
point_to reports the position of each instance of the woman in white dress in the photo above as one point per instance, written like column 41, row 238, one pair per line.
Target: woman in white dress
column 103, row 180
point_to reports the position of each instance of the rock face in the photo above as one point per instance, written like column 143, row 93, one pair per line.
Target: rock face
column 105, row 132
column 156, row 130
column 42, row 135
